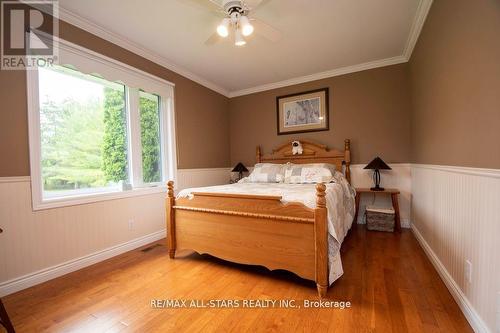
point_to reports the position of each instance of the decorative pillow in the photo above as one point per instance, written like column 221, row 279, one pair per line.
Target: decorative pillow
column 267, row 173
column 309, row 173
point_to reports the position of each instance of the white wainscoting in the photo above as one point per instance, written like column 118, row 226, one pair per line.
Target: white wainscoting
column 38, row 246
column 399, row 177
column 456, row 217
column 187, row 178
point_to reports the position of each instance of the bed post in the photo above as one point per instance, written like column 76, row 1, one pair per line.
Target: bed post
column 347, row 157
column 257, row 154
column 170, row 220
column 321, row 238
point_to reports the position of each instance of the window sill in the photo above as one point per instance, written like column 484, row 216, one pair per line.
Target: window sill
column 96, row 197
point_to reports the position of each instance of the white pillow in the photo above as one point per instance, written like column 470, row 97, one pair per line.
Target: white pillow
column 309, row 173
column 267, row 173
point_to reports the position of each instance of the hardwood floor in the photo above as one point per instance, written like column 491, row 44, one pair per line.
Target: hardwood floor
column 391, row 284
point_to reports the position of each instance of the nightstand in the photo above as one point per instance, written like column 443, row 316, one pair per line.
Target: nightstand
column 395, row 204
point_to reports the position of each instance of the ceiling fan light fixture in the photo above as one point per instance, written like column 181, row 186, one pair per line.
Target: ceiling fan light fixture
column 223, row 28
column 246, row 27
column 238, row 38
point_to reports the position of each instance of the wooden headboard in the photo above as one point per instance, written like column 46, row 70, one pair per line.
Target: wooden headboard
column 312, row 153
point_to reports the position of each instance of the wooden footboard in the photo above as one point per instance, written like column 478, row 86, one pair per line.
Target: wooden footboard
column 253, row 229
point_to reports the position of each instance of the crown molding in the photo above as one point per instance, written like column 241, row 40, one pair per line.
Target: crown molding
column 84, row 24
column 125, row 43
column 416, row 28
column 321, row 75
column 418, row 22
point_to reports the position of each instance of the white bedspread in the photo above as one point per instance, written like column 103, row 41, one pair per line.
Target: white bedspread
column 339, row 202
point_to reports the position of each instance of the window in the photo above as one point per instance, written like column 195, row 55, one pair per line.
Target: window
column 98, row 130
column 149, row 108
column 82, row 133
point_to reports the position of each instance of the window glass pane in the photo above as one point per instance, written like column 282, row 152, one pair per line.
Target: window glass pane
column 149, row 107
column 83, row 133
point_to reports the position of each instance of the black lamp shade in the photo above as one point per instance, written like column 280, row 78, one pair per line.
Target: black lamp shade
column 377, row 164
column 240, row 168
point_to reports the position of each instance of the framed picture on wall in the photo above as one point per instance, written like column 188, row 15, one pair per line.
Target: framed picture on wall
column 303, row 112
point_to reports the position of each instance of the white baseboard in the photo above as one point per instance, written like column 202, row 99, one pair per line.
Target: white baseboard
column 478, row 325
column 29, row 280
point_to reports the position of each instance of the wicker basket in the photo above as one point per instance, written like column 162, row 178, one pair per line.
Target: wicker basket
column 379, row 219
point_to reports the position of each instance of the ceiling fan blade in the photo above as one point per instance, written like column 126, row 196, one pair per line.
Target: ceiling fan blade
column 266, row 31
column 213, row 39
column 215, row 3
column 212, row 5
column 255, row 4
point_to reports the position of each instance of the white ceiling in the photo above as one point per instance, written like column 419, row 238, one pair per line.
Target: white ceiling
column 320, row 38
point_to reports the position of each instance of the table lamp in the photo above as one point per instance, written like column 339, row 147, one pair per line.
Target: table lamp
column 240, row 168
column 377, row 164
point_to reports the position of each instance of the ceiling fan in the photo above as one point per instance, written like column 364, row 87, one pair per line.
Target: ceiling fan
column 236, row 20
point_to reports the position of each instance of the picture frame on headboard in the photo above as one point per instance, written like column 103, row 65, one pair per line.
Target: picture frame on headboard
column 303, row 112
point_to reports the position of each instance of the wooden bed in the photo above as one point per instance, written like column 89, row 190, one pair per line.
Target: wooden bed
column 256, row 229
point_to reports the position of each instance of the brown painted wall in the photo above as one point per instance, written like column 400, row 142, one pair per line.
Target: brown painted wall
column 455, row 80
column 372, row 108
column 446, row 97
column 13, row 124
column 201, row 114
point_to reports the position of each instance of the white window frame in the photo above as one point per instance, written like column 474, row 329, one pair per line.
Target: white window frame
column 87, row 61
